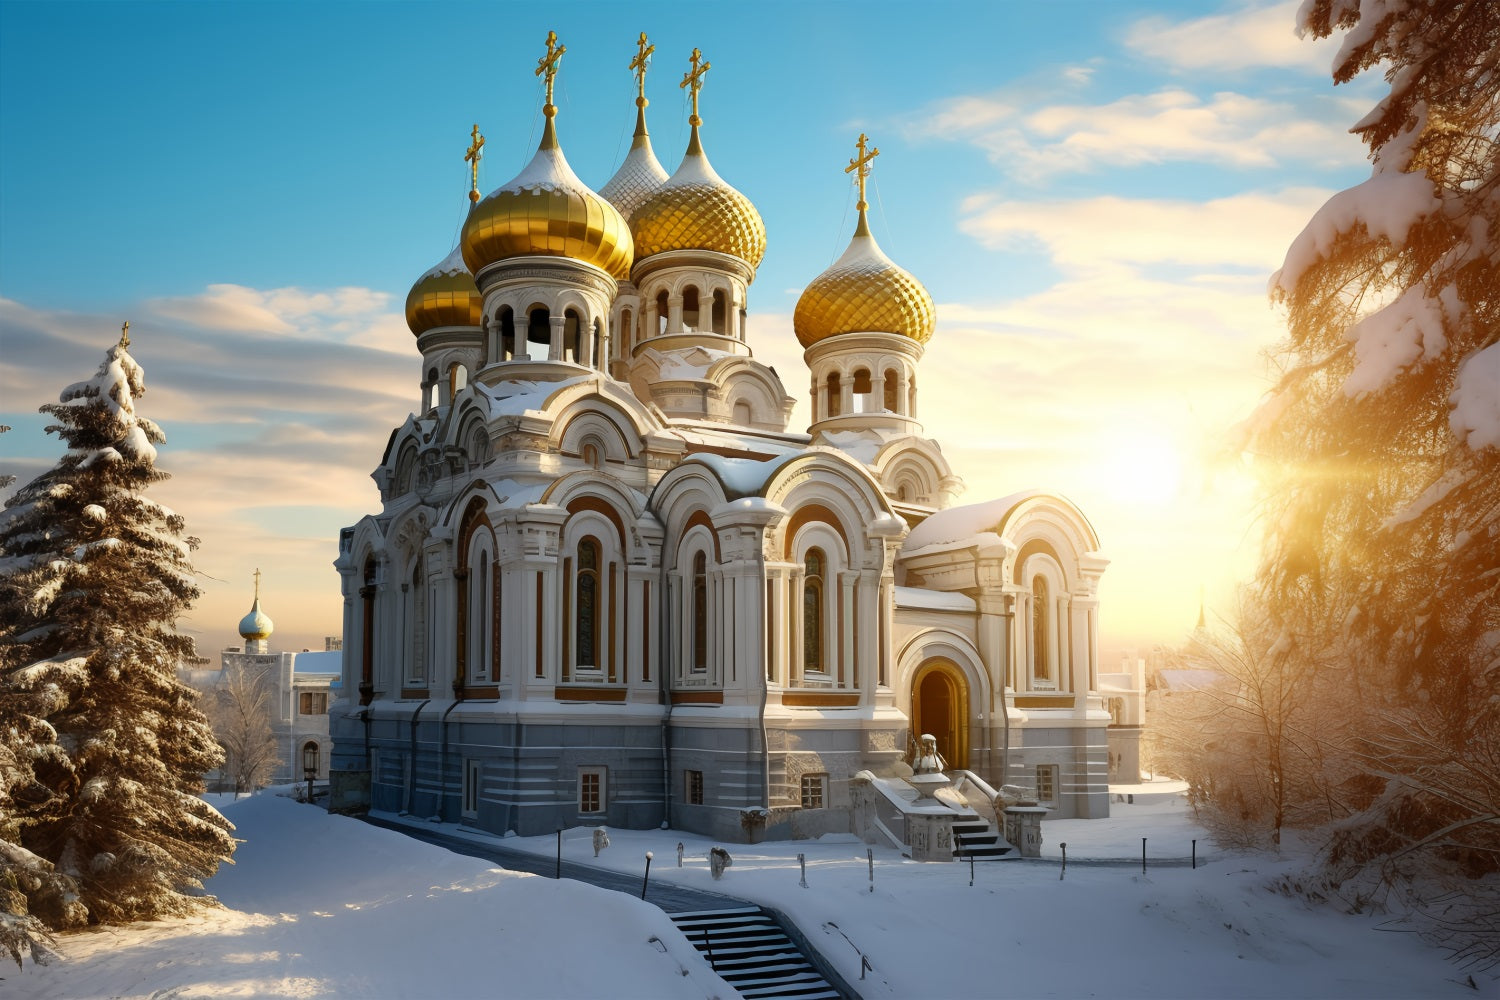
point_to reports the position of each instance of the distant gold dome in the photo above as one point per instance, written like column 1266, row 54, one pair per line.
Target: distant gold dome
column 547, row 211
column 257, row 625
column 864, row 291
column 696, row 210
column 445, row 296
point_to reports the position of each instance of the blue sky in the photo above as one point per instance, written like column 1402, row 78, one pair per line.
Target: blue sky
column 1094, row 194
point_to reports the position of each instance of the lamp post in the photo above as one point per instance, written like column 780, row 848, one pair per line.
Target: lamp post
column 647, row 877
column 310, row 766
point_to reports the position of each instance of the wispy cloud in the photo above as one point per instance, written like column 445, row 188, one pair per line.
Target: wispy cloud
column 1252, row 36
column 1172, row 124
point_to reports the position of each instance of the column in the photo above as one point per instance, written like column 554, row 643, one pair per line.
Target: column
column 555, row 350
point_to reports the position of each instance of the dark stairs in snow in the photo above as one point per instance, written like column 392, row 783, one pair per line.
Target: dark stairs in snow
column 750, row 951
column 978, row 840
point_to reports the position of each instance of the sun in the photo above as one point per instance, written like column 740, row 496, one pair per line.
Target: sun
column 1143, row 467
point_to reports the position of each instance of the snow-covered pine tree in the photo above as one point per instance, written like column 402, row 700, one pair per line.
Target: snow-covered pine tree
column 1384, row 438
column 110, row 746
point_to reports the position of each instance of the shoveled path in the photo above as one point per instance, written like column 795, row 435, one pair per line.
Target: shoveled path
column 666, row 895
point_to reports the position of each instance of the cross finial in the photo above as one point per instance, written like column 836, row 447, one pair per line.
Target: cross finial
column 638, row 64
column 472, row 156
column 257, row 583
column 861, row 163
column 694, row 80
column 547, row 66
column 125, row 334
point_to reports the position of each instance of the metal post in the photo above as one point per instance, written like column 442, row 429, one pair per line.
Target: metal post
column 647, row 877
column 1064, row 870
column 1195, row 854
column 708, row 946
column 870, row 855
column 802, row 861
column 1143, row 855
column 864, row 963
column 559, row 853
column 971, row 870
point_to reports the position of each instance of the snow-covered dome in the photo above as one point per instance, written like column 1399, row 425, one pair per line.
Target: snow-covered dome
column 641, row 175
column 547, row 211
column 444, row 296
column 864, row 291
column 697, row 210
column 257, row 625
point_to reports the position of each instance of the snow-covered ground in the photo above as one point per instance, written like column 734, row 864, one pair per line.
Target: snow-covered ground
column 326, row 906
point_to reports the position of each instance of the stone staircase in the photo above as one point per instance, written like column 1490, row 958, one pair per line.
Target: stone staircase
column 979, row 840
column 750, row 951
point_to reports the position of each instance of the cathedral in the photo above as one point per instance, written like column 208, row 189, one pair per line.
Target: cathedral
column 608, row 585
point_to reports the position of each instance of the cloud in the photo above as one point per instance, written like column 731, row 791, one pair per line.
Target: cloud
column 1168, row 125
column 339, row 315
column 1253, row 36
column 1250, row 230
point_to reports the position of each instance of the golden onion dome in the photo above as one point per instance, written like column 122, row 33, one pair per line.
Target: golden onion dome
column 444, row 296
column 546, row 211
column 641, row 175
column 257, row 625
column 864, row 291
column 697, row 210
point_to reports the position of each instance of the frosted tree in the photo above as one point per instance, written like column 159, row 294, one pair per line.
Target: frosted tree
column 109, row 746
column 1382, row 441
column 239, row 707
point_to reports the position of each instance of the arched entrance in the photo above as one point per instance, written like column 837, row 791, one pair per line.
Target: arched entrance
column 940, row 706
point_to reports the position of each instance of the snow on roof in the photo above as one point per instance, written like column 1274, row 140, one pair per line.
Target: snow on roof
column 686, row 364
column 963, row 524
column 860, row 445
column 321, row 662
column 933, row 600
column 740, row 476
column 522, row 396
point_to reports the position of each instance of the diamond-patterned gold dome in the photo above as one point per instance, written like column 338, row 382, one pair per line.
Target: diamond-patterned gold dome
column 697, row 210
column 547, row 211
column 864, row 291
column 445, row 296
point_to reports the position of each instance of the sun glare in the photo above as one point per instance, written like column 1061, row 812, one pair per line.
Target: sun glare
column 1143, row 467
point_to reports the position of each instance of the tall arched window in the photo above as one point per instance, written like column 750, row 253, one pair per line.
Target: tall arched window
column 864, row 387
column 507, row 334
column 814, row 585
column 720, row 314
column 586, row 604
column 1041, row 647
column 889, row 391
column 700, row 612
column 690, row 310
column 478, row 619
column 835, row 394
column 663, row 311
column 413, row 602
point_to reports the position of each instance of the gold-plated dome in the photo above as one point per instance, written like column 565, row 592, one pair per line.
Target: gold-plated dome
column 697, row 210
column 444, row 296
column 547, row 211
column 864, row 291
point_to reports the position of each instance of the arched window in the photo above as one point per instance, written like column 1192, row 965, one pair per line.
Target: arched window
column 814, row 585
column 742, row 413
column 689, row 309
column 863, row 387
column 413, row 601
column 507, row 334
column 458, row 379
column 1041, row 630
column 720, row 313
column 663, row 311
column 627, row 336
column 890, row 390
column 835, row 394
column 586, row 604
column 539, row 326
column 572, row 345
column 700, row 612
column 478, row 618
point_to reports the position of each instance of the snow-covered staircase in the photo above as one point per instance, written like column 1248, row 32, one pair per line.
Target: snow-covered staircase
column 750, row 951
column 978, row 840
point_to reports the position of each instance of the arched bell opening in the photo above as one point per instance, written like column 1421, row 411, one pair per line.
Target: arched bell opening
column 940, row 706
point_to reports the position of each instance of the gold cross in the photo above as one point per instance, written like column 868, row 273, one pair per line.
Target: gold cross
column 639, row 63
column 548, row 63
column 125, row 334
column 862, row 164
column 695, row 81
column 472, row 156
column 257, row 583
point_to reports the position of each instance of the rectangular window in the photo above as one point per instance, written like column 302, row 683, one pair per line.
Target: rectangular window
column 312, row 703
column 693, row 791
column 1046, row 783
column 591, row 794
column 814, row 790
column 473, row 771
